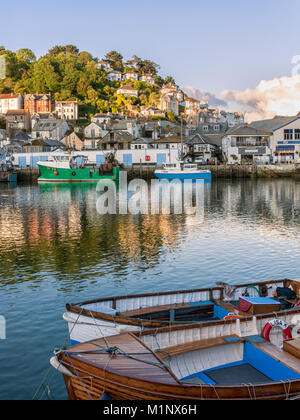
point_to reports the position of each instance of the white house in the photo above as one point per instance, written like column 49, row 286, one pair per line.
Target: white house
column 101, row 118
column 114, row 76
column 247, row 144
column 285, row 138
column 94, row 131
column 148, row 78
column 67, row 110
column 10, row 102
column 131, row 75
column 105, row 65
column 127, row 91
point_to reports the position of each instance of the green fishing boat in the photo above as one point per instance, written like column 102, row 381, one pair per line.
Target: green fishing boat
column 76, row 168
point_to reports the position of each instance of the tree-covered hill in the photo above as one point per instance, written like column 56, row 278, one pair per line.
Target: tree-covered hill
column 70, row 74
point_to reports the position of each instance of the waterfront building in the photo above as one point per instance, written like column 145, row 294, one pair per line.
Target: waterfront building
column 285, row 138
column 38, row 103
column 141, row 144
column 127, row 157
column 67, row 110
column 247, row 144
column 169, row 142
column 196, row 146
column 93, row 133
column 127, row 91
column 10, row 102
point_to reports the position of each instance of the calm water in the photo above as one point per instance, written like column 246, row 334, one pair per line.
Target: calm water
column 54, row 249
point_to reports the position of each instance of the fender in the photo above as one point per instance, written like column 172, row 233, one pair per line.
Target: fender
column 231, row 316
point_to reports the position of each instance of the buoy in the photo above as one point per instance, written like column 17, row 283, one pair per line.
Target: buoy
column 276, row 323
column 55, row 173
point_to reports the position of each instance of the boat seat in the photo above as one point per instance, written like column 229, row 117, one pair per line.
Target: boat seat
column 163, row 308
column 197, row 345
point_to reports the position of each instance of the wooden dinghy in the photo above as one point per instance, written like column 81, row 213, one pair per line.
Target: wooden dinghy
column 195, row 362
column 110, row 316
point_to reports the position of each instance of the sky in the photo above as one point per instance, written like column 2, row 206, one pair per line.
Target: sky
column 220, row 49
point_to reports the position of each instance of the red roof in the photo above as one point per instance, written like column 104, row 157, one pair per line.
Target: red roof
column 9, row 96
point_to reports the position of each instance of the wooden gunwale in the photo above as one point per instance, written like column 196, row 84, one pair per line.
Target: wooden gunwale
column 176, row 292
column 215, row 323
column 96, row 379
column 77, row 308
column 164, row 326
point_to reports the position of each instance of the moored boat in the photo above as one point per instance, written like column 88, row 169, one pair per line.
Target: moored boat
column 76, row 168
column 213, row 361
column 182, row 171
column 110, row 316
column 7, row 170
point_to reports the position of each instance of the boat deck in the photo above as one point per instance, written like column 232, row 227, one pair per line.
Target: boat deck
column 281, row 356
column 142, row 363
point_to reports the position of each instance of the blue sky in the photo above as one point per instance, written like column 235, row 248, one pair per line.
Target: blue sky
column 210, row 45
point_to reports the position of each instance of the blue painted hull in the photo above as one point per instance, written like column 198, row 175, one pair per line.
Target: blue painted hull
column 183, row 176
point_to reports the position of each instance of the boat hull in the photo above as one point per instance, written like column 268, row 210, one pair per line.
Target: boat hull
column 111, row 316
column 184, row 175
column 53, row 174
column 90, row 369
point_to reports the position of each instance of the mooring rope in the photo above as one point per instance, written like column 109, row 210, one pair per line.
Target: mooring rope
column 50, row 369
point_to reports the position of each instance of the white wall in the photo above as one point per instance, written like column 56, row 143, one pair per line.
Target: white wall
column 138, row 156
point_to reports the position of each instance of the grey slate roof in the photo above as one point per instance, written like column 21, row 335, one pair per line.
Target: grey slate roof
column 273, row 124
column 47, row 125
column 247, row 130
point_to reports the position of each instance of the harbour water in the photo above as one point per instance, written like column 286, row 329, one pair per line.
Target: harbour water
column 55, row 248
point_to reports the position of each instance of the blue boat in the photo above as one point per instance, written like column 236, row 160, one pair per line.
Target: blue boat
column 182, row 171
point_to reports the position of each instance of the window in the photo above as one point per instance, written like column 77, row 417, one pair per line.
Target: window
column 288, row 134
column 297, row 134
column 205, row 128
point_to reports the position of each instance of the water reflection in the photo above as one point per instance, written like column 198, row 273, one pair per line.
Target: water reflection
column 55, row 248
column 57, row 227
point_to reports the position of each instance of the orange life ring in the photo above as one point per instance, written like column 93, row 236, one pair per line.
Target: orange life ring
column 276, row 323
column 231, row 316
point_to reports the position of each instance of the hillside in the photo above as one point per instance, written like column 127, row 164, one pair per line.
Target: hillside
column 70, row 74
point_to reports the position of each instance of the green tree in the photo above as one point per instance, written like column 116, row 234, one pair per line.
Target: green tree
column 72, row 49
column 116, row 59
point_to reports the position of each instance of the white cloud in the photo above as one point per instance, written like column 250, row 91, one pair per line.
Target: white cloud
column 201, row 95
column 280, row 96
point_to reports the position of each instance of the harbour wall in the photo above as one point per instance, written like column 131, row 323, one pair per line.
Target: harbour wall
column 31, row 174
